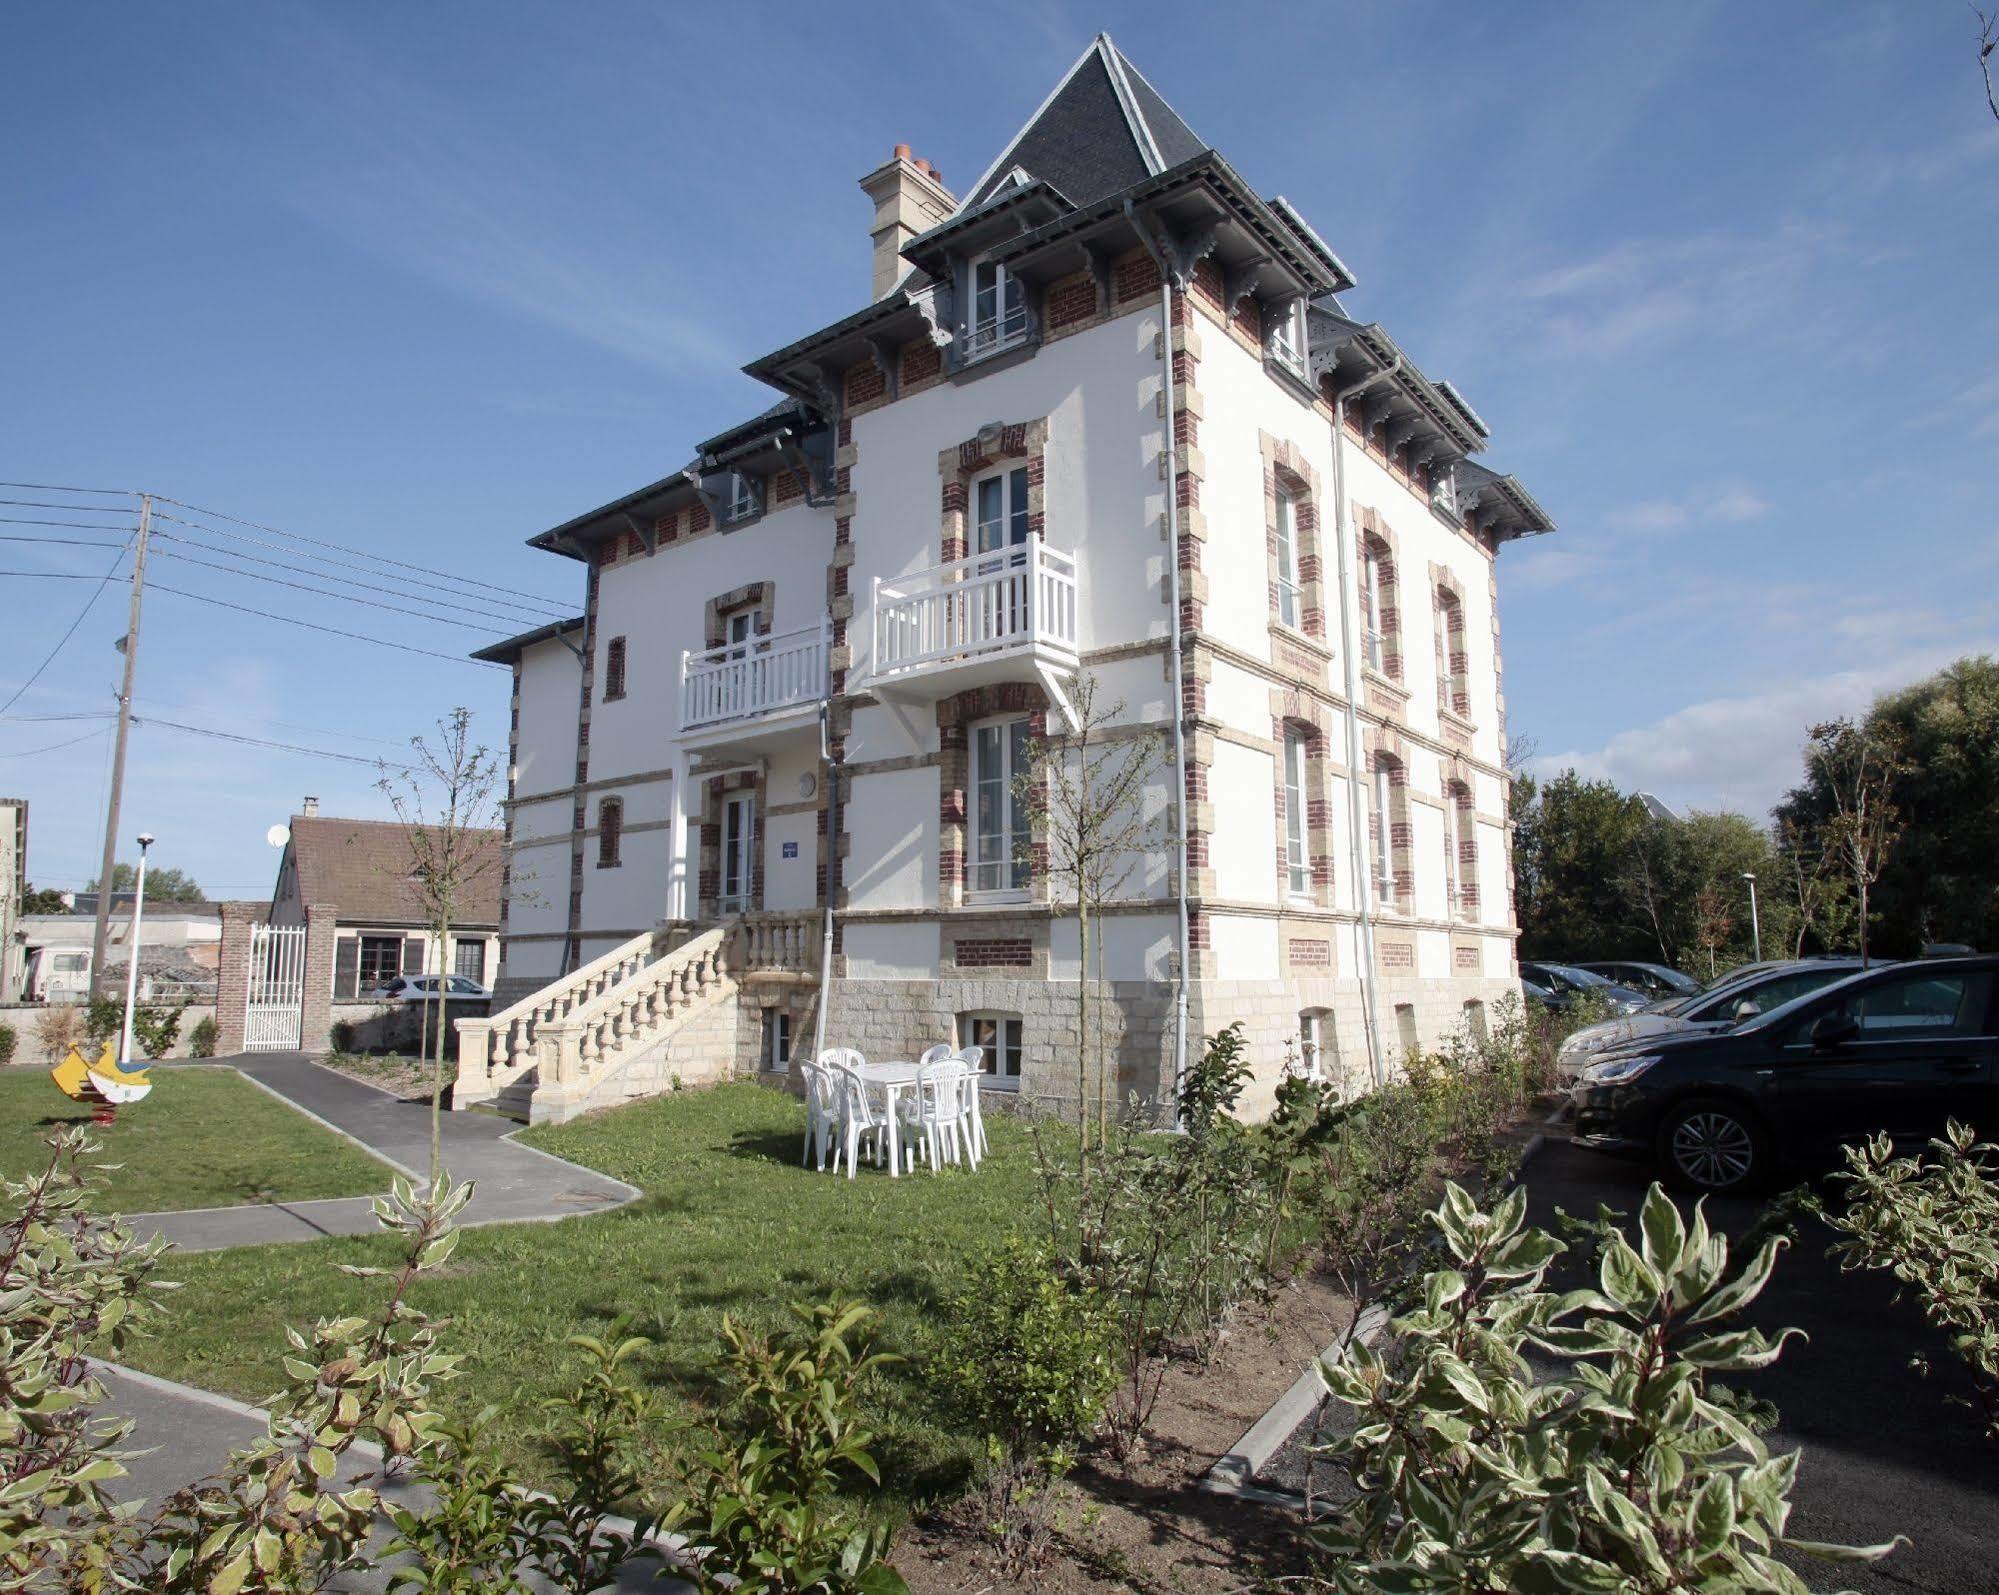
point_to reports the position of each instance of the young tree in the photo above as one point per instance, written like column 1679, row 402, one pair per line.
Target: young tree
column 1713, row 924
column 1821, row 903
column 444, row 798
column 1085, row 795
column 1857, row 766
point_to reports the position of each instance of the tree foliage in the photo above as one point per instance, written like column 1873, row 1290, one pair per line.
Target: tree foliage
column 162, row 885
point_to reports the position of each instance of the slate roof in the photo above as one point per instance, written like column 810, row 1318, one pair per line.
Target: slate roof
column 362, row 867
column 1102, row 130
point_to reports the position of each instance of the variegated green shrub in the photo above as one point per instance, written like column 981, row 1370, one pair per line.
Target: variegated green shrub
column 1621, row 1473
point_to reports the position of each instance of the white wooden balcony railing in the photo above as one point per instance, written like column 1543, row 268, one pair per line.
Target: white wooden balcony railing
column 1021, row 597
column 743, row 680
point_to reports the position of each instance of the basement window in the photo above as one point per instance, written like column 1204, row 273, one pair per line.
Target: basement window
column 998, row 1034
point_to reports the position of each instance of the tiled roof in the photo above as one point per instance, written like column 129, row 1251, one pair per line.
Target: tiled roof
column 362, row 867
column 1103, row 129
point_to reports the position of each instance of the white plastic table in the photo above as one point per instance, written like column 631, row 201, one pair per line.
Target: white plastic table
column 893, row 1079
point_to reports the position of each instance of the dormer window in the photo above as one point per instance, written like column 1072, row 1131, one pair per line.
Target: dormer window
column 1287, row 338
column 1444, row 490
column 743, row 501
column 999, row 310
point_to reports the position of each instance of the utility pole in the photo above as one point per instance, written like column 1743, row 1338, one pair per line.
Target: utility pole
column 101, row 935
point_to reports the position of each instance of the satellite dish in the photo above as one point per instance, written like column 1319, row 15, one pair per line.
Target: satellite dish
column 277, row 836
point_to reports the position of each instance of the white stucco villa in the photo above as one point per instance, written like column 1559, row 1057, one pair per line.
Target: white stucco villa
column 1106, row 413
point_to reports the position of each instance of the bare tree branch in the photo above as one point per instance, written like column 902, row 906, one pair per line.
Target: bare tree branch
column 1988, row 42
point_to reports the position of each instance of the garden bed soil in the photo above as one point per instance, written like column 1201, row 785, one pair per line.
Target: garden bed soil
column 1147, row 1522
column 396, row 1072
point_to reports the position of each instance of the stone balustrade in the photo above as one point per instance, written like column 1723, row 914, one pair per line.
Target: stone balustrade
column 633, row 1013
column 507, row 1043
column 787, row 941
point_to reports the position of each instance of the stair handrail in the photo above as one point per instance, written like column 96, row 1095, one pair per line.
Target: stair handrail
column 662, row 968
column 547, row 998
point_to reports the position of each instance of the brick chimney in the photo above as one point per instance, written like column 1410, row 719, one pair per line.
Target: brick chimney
column 910, row 198
column 309, row 809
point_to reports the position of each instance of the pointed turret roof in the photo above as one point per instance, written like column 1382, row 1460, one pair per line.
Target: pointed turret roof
column 1103, row 129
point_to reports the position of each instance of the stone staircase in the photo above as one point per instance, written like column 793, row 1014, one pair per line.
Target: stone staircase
column 650, row 1015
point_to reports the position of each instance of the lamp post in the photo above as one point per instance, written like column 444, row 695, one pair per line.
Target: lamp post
column 1755, row 925
column 132, row 969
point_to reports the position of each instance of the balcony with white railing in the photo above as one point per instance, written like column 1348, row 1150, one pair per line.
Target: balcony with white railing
column 1008, row 615
column 754, row 686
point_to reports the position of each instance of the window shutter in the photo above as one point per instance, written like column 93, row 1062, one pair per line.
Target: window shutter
column 413, row 955
column 347, row 966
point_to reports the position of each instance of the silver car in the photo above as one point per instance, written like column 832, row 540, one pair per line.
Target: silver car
column 423, row 988
column 1736, row 999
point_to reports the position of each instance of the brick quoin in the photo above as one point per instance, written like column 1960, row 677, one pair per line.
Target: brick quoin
column 1008, row 954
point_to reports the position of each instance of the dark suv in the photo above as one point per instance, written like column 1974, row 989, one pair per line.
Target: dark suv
column 1901, row 1048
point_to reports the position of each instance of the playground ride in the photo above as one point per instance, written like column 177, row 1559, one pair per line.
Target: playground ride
column 106, row 1084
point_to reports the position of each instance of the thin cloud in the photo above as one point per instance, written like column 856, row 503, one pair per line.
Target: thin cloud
column 1730, row 505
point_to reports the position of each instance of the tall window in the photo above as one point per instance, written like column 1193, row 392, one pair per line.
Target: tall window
column 1453, row 894
column 999, row 309
column 468, row 958
column 1287, row 558
column 614, row 668
column 610, row 831
column 1318, row 1043
column 1001, row 518
column 999, row 817
column 738, row 838
column 1297, row 865
column 1287, row 339
column 1374, row 646
column 1383, row 828
column 999, row 1035
column 743, row 501
column 1451, row 687
column 776, row 1040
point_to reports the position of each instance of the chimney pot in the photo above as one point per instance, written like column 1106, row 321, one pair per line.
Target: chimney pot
column 309, row 809
column 902, row 152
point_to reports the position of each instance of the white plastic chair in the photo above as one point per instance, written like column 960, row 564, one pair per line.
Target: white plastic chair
column 936, row 1054
column 822, row 1113
column 858, row 1119
column 936, row 1112
column 974, row 1060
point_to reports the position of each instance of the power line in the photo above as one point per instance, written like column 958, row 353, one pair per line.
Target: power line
column 292, row 725
column 323, row 592
column 293, row 620
column 56, row 747
column 54, row 504
column 54, row 575
column 51, row 487
column 63, row 641
column 67, row 542
column 300, row 537
column 74, row 526
column 44, row 719
column 256, row 742
column 532, row 611
column 278, row 564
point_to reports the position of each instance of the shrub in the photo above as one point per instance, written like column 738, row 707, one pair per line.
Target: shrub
column 58, row 1027
column 201, row 1039
column 1028, row 1351
column 1622, row 1473
column 1933, row 1221
column 8, row 1041
column 157, row 1029
column 104, row 1018
column 342, row 1035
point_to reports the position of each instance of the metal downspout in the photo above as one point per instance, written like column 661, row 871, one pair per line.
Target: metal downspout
column 1362, row 876
column 1179, row 700
column 832, row 857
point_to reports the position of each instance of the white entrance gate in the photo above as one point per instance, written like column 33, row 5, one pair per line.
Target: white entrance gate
column 277, row 988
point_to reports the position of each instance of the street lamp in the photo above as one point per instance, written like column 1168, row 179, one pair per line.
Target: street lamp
column 1755, row 925
column 132, row 969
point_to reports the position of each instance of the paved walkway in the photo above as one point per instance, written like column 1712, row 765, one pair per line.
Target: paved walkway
column 515, row 1183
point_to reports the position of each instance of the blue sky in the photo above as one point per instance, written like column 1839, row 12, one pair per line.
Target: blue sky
column 427, row 279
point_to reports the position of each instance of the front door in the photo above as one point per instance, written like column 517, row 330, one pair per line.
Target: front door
column 738, row 836
column 1924, row 1053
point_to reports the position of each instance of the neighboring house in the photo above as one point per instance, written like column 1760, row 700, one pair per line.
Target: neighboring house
column 182, row 946
column 1108, row 413
column 382, row 925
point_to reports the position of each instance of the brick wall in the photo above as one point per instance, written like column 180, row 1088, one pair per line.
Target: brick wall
column 232, row 980
column 316, row 1008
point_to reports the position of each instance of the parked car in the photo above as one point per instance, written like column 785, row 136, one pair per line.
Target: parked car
column 423, row 988
column 1559, row 985
column 1738, row 997
column 1899, row 1049
column 1655, row 980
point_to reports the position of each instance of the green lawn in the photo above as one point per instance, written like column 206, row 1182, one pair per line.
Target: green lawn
column 729, row 1223
column 206, row 1137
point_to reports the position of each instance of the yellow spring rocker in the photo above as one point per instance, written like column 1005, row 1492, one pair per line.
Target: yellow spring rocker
column 106, row 1084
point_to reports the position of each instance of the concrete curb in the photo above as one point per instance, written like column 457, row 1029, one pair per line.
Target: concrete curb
column 1235, row 1471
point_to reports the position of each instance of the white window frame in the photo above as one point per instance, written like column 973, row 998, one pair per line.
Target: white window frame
column 1008, row 871
column 1005, row 328
column 1288, row 345
column 1374, row 646
column 739, row 900
column 1002, row 1051
column 1290, row 605
column 776, row 1040
column 1452, row 842
column 1444, row 490
column 1297, row 856
column 744, row 502
column 1314, row 1024
column 1012, row 483
column 1384, row 843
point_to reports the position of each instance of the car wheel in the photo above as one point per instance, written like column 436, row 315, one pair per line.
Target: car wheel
column 1712, row 1146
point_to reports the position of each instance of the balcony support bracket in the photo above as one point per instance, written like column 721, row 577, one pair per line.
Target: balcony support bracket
column 1058, row 696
